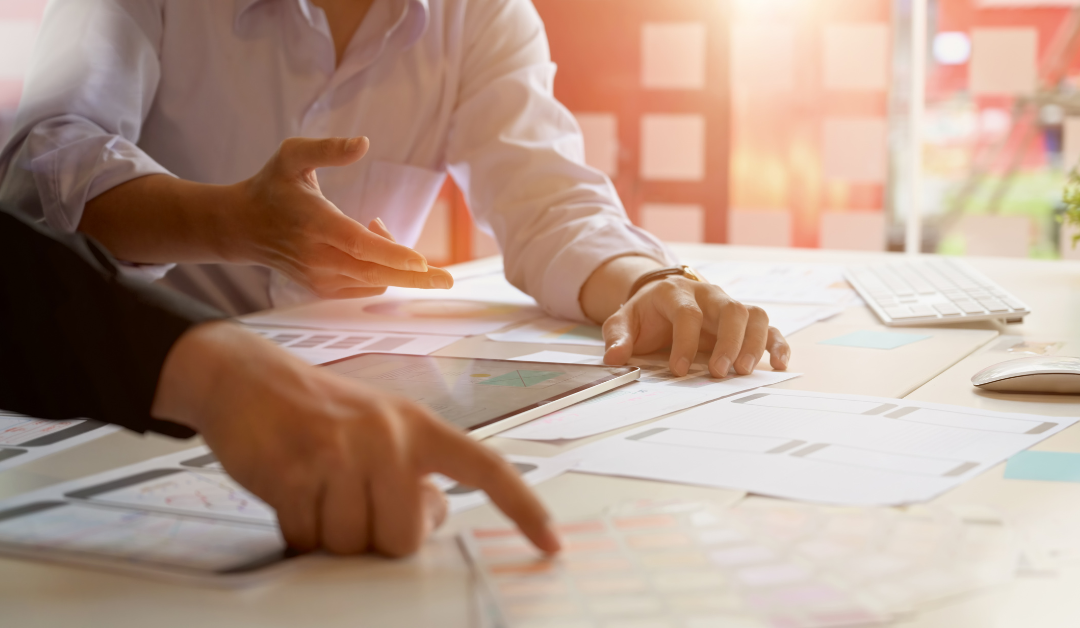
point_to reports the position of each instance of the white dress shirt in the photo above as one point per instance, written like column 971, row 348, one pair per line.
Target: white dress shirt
column 205, row 90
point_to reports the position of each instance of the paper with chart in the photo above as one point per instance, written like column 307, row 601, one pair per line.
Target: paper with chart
column 655, row 394
column 178, row 516
column 174, row 517
column 477, row 305
column 322, row 346
column 24, row 438
column 837, row 449
column 760, row 563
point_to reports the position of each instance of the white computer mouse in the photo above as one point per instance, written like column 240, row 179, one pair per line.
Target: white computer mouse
column 1044, row 374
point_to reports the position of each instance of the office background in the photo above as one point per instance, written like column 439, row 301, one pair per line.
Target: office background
column 782, row 122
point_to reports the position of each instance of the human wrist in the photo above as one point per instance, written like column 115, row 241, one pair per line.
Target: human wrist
column 192, row 370
column 606, row 289
column 225, row 222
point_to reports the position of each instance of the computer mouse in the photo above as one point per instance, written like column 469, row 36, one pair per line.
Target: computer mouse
column 1044, row 374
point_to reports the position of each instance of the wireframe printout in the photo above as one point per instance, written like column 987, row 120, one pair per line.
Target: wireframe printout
column 838, row 449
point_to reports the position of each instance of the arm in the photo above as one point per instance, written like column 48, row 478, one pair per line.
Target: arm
column 69, row 322
column 344, row 467
column 75, row 149
column 519, row 158
column 277, row 218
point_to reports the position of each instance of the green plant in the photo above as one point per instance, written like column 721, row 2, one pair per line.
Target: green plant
column 1072, row 205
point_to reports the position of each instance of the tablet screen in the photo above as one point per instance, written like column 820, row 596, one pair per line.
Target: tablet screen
column 472, row 392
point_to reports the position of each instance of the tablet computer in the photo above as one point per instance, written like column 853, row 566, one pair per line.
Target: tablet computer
column 483, row 396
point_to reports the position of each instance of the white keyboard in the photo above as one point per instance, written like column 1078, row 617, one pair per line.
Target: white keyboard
column 932, row 291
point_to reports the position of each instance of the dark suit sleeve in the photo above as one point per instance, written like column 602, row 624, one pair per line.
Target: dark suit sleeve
column 77, row 339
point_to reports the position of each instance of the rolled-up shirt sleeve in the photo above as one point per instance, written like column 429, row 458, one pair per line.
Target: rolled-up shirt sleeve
column 92, row 82
column 518, row 156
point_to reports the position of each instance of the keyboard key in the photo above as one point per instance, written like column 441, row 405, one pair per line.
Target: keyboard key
column 923, row 310
column 1013, row 303
column 969, row 307
column 994, row 305
column 947, row 309
column 899, row 312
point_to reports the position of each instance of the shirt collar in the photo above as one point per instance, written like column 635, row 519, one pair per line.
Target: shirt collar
column 241, row 7
column 416, row 20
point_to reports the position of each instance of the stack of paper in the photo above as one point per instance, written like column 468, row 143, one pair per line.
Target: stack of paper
column 656, row 393
column 755, row 565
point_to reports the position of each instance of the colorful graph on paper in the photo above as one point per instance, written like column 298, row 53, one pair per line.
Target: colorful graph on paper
column 193, row 492
column 16, row 429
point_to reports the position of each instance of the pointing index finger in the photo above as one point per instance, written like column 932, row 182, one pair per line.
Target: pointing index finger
column 457, row 456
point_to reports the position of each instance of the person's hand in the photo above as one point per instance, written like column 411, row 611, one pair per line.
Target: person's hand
column 689, row 316
column 345, row 466
column 284, row 222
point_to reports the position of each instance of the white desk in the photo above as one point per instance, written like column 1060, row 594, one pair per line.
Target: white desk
column 433, row 588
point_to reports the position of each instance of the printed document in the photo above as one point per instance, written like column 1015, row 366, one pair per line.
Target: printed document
column 553, row 331
column 656, row 393
column 24, row 438
column 764, row 282
column 473, row 306
column 786, row 318
column 836, row 449
column 176, row 516
column 325, row 345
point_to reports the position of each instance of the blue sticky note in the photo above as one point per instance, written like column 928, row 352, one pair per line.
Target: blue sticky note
column 874, row 339
column 1047, row 466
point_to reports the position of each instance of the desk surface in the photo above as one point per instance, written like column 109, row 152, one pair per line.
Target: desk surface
column 433, row 588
